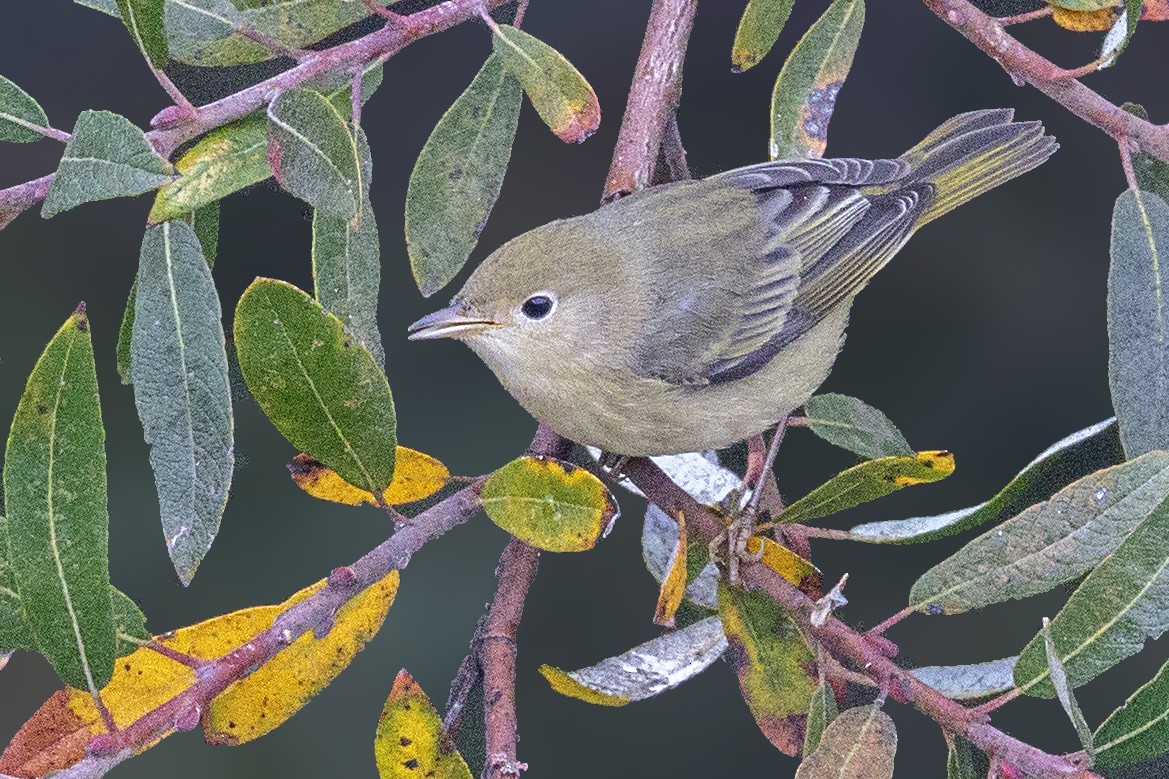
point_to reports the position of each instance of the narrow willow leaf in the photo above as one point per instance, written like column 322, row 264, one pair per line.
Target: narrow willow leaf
column 559, row 93
column 552, row 505
column 1050, row 543
column 1123, row 602
column 969, row 682
column 759, row 28
column 459, row 174
column 129, row 622
column 659, row 538
column 1138, row 325
column 107, row 157
column 55, row 504
column 1067, row 699
column 126, row 335
column 224, row 161
column 179, row 370
column 347, row 265
column 14, row 629
column 315, row 154
column 870, row 480
column 854, row 425
column 962, row 762
column 105, row 6
column 19, row 114
column 322, row 391
column 1139, row 729
column 1116, row 41
column 410, row 740
column 143, row 18
column 823, row 710
column 805, row 92
column 1152, row 174
column 205, row 222
column 859, row 744
column 647, row 670
column 1060, row 464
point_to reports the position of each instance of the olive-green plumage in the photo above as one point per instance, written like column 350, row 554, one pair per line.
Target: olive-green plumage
column 694, row 315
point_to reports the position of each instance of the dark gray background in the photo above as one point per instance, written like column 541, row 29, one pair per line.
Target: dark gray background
column 986, row 337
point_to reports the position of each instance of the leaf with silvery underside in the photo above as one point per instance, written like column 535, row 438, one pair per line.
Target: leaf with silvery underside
column 854, row 425
column 659, row 537
column 1120, row 605
column 1059, row 680
column 1139, row 729
column 105, row 6
column 459, row 174
column 107, row 157
column 861, row 743
column 1060, row 464
column 1118, row 37
column 1138, row 322
column 314, row 153
column 647, row 670
column 1051, row 543
column 1152, row 174
column 19, row 113
column 822, row 711
column 806, row 89
column 759, row 28
column 699, row 473
column 55, row 505
column 143, row 18
column 969, row 682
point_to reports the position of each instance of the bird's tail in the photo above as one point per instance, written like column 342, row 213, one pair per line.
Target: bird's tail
column 974, row 152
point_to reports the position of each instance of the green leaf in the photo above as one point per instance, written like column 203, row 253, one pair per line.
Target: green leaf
column 963, row 761
column 969, row 682
column 224, row 161
column 820, row 715
column 1083, row 5
column 459, row 174
column 1117, row 39
column 347, row 265
column 1138, row 324
column 1152, row 173
column 1139, row 729
column 859, row 744
column 55, row 504
column 143, row 18
column 1067, row 698
column 771, row 659
column 14, row 630
column 107, row 157
column 1071, row 458
column 758, row 31
column 559, row 93
column 855, row 426
column 552, row 505
column 205, row 222
column 338, row 88
column 19, row 114
column 314, row 152
column 179, row 370
column 1050, row 543
column 867, row 481
column 322, row 390
column 646, row 670
column 129, row 621
column 659, row 536
column 105, row 6
column 806, row 89
column 1124, row 601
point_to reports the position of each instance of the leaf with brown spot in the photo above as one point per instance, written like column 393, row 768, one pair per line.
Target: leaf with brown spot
column 410, row 742
column 417, row 476
column 859, row 744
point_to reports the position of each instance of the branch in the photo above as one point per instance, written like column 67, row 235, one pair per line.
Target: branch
column 1023, row 64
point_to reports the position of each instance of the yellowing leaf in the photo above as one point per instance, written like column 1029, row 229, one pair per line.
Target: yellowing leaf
column 416, row 476
column 564, row 684
column 1084, row 21
column 782, row 560
column 552, row 505
column 674, row 585
column 410, row 741
column 52, row 739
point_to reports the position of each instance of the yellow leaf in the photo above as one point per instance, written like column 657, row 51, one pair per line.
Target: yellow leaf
column 782, row 560
column 1084, row 21
column 410, row 741
column 674, row 585
column 565, row 685
column 416, row 476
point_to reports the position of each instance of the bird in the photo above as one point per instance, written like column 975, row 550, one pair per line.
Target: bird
column 694, row 315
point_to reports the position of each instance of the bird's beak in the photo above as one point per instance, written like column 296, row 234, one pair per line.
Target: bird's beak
column 450, row 322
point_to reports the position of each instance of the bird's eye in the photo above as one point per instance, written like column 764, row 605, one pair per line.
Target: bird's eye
column 538, row 306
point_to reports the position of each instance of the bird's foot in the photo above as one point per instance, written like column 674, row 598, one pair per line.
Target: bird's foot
column 732, row 546
column 612, row 465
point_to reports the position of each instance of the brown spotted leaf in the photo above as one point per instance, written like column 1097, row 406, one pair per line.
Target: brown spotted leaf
column 411, row 742
column 417, row 476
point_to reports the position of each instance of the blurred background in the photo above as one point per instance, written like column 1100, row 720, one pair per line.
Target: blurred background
column 986, row 337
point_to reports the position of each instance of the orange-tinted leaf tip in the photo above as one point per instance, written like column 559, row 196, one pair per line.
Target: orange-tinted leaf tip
column 581, row 123
column 53, row 739
column 564, row 684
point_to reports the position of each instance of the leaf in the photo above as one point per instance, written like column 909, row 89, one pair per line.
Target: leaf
column 107, row 157
column 1071, row 458
column 179, row 370
column 55, row 505
column 759, row 28
column 14, row 630
column 1152, row 174
column 559, row 93
column 143, row 18
column 315, row 154
column 1067, row 698
column 105, row 6
column 347, row 266
column 459, row 174
column 969, row 682
column 806, row 89
column 1121, row 603
column 782, row 560
column 859, row 744
column 1116, row 41
column 867, row 481
column 1050, row 543
column 659, row 539
column 1139, row 729
column 855, row 426
column 699, row 473
column 1138, row 325
column 552, row 505
column 647, row 670
column 1084, row 21
column 822, row 711
column 322, row 391
column 417, row 476
column 224, row 161
column 674, row 584
column 772, row 660
column 962, row 762
column 19, row 114
column 410, row 740
column 338, row 87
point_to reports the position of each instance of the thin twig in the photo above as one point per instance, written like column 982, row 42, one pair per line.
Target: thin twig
column 999, row 701
column 380, row 10
column 467, row 678
column 1130, row 173
column 520, row 9
column 1023, row 18
column 768, row 464
column 186, row 106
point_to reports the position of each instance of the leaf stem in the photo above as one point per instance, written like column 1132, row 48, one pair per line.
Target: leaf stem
column 1130, row 174
column 1023, row 18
